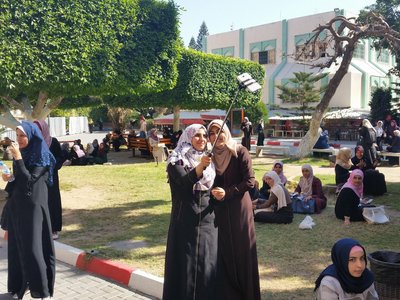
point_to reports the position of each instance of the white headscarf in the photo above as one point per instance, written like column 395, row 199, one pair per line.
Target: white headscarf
column 306, row 183
column 277, row 188
column 185, row 154
column 222, row 157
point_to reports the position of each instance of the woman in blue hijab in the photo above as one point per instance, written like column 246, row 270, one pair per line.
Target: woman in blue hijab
column 31, row 259
column 348, row 276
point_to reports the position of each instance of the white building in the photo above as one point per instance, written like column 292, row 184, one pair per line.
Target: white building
column 274, row 45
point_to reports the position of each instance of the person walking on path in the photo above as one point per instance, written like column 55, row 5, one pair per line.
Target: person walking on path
column 191, row 255
column 31, row 257
column 247, row 129
column 237, row 275
column 54, row 198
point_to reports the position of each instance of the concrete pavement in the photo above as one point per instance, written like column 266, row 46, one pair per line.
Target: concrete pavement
column 72, row 283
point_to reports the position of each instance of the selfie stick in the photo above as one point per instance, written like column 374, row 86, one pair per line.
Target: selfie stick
column 245, row 82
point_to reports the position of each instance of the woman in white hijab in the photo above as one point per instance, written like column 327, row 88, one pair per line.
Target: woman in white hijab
column 191, row 255
column 279, row 203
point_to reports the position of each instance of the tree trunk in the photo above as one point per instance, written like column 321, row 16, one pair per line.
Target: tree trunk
column 177, row 110
column 308, row 141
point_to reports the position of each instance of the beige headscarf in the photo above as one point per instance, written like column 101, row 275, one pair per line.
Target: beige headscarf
column 306, row 183
column 277, row 188
column 343, row 158
column 222, row 157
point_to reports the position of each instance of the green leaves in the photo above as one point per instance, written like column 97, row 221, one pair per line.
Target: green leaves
column 87, row 47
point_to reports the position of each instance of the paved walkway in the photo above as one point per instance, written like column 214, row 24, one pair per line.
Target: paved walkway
column 72, row 283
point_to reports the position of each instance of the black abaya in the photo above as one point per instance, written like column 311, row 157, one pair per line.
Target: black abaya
column 191, row 255
column 54, row 199
column 31, row 256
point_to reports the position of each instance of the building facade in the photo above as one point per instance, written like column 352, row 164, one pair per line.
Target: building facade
column 274, row 46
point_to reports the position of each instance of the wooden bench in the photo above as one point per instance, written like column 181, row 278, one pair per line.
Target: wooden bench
column 143, row 145
column 385, row 154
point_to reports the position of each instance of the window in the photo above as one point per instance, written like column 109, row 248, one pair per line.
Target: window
column 382, row 56
column 359, row 51
column 309, row 52
column 264, row 57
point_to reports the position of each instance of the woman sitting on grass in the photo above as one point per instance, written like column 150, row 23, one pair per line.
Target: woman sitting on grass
column 347, row 203
column 343, row 167
column 311, row 188
column 348, row 276
column 279, row 201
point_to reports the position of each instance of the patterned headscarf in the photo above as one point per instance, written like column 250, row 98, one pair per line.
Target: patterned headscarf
column 222, row 157
column 186, row 155
column 349, row 184
column 306, row 183
column 340, row 268
column 277, row 188
column 36, row 153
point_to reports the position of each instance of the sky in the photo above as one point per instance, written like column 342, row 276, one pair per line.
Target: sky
column 225, row 15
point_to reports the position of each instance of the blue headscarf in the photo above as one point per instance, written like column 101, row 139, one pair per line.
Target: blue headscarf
column 340, row 268
column 37, row 153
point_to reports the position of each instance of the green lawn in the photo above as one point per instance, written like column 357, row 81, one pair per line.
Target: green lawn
column 133, row 202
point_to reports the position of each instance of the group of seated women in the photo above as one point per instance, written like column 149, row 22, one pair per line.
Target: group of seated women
column 94, row 153
column 274, row 203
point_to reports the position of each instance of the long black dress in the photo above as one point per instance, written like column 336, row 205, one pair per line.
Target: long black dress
column 191, row 255
column 238, row 276
column 31, row 257
column 54, row 200
column 347, row 205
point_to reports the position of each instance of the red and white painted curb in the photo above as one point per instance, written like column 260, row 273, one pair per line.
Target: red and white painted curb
column 126, row 275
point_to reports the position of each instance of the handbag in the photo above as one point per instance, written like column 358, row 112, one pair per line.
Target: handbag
column 301, row 206
column 375, row 215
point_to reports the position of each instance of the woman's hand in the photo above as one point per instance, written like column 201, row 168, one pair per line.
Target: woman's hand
column 14, row 149
column 346, row 220
column 205, row 161
column 218, row 193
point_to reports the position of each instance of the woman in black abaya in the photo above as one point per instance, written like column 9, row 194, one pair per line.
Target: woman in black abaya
column 31, row 259
column 191, row 255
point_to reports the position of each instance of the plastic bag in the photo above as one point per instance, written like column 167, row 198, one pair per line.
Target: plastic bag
column 375, row 215
column 307, row 223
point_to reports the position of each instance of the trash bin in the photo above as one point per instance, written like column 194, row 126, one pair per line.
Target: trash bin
column 386, row 267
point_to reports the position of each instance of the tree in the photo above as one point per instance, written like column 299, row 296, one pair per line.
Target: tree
column 205, row 81
column 302, row 90
column 342, row 35
column 203, row 32
column 58, row 49
column 192, row 44
column 380, row 104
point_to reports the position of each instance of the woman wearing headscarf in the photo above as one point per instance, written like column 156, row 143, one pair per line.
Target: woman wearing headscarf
column 279, row 200
column 54, row 197
column 78, row 156
column 31, row 259
column 390, row 131
column 348, row 276
column 237, row 252
column 157, row 148
column 347, row 203
column 265, row 189
column 374, row 182
column 368, row 140
column 310, row 187
column 343, row 166
column 247, row 129
column 191, row 255
column 394, row 147
column 380, row 134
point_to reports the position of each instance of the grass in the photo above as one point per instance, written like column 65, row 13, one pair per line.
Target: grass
column 132, row 202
